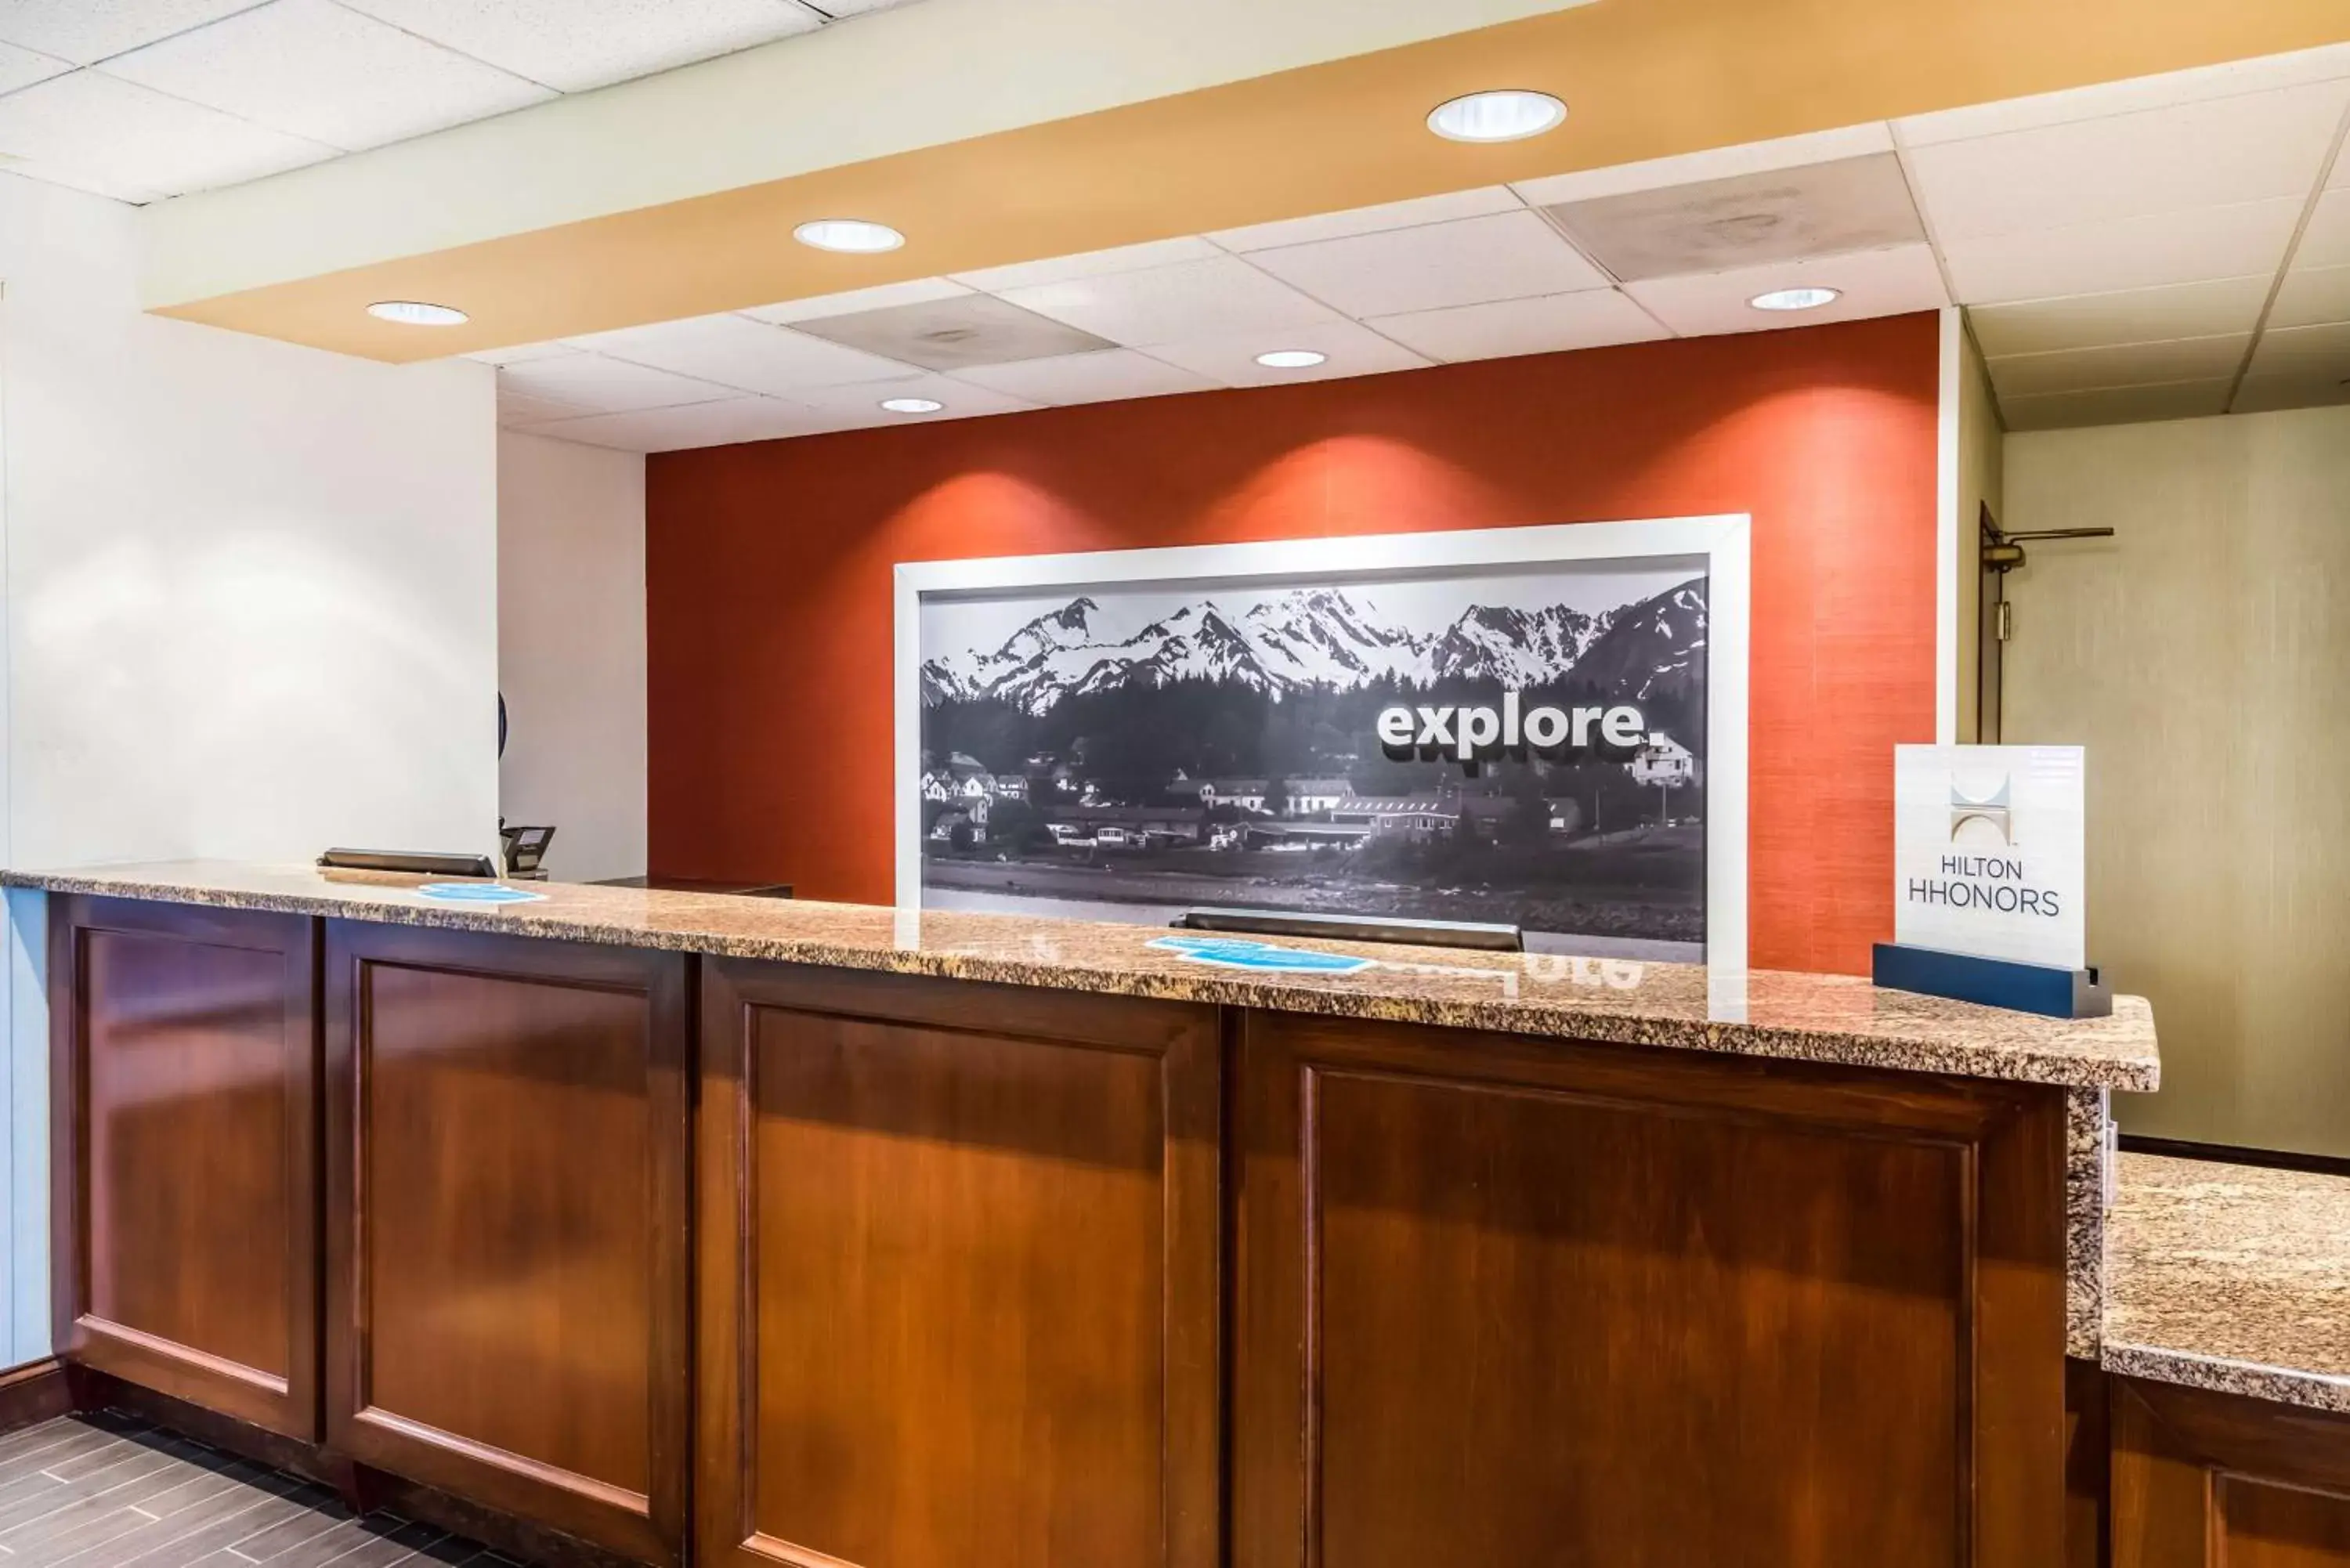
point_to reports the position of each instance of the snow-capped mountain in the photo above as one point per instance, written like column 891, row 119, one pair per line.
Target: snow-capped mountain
column 1652, row 647
column 1320, row 634
column 1323, row 637
column 1518, row 649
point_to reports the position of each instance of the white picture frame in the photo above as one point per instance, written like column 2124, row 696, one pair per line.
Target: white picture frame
column 1723, row 541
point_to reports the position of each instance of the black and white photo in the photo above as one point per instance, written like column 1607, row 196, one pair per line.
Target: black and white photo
column 1128, row 748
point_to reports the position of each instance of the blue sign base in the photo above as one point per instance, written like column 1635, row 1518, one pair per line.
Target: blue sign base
column 1994, row 983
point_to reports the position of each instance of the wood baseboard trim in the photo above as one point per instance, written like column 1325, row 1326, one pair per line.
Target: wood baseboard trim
column 96, row 1390
column 502, row 1532
column 34, row 1392
column 363, row 1487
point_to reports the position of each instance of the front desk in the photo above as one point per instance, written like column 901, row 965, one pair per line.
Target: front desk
column 698, row 1228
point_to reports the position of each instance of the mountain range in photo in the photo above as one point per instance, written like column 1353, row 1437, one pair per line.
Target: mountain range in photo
column 1326, row 639
column 1128, row 750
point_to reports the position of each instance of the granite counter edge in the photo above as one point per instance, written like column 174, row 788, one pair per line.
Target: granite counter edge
column 1597, row 1025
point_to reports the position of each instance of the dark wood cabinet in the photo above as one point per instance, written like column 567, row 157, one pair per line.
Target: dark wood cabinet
column 1520, row 1303
column 958, row 1263
column 782, row 1267
column 183, row 1078
column 2216, row 1480
column 508, row 1137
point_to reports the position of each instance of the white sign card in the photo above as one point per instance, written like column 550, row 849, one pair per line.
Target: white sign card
column 1989, row 852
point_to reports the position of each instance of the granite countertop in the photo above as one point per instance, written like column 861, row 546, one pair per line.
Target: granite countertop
column 1804, row 1017
column 2232, row 1277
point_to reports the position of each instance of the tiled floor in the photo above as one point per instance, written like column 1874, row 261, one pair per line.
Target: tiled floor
column 109, row 1492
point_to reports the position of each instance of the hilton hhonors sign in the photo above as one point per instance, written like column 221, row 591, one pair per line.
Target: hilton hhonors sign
column 1989, row 852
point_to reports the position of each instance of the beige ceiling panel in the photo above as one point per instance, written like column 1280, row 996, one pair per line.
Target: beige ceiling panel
column 1591, row 319
column 1348, row 350
column 926, row 77
column 2312, row 298
column 2201, row 155
column 2123, row 365
column 675, row 196
column 1871, row 283
column 2125, row 253
column 1098, row 376
column 2201, row 309
column 2264, row 394
column 2327, row 61
column 2116, row 406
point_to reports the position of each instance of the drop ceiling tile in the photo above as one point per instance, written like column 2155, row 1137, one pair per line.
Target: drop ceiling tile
column 1221, row 296
column 599, row 385
column 1411, row 214
column 1874, row 282
column 86, row 30
column 2128, row 316
column 1592, row 318
column 2197, row 155
column 2267, row 394
column 521, row 409
column 955, row 333
column 2326, row 240
column 2326, row 63
column 1231, row 358
column 1748, row 220
column 2312, row 296
column 1095, row 378
column 2115, row 405
column 738, row 352
column 313, row 68
column 862, row 405
column 1508, row 255
column 1088, row 263
column 574, row 44
column 2121, row 365
column 2125, row 253
column 915, row 291
column 720, row 423
column 23, row 68
column 1716, row 163
column 96, row 133
column 520, row 353
column 2303, row 350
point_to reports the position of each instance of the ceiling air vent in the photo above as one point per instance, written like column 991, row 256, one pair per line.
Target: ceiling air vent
column 1748, row 220
column 953, row 333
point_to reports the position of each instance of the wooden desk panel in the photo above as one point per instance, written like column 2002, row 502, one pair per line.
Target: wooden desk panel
column 183, row 1075
column 507, row 1285
column 2205, row 1480
column 1521, row 1306
column 958, row 1279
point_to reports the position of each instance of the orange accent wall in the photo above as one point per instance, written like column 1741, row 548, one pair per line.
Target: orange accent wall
column 769, row 592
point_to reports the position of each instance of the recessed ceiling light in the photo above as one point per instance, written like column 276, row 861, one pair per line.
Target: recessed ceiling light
column 1291, row 360
column 1511, row 114
column 416, row 313
column 912, row 405
column 1795, row 299
column 853, row 235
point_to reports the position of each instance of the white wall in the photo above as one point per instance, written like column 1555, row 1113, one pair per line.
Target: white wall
column 2199, row 655
column 252, row 588
column 571, row 651
column 251, row 609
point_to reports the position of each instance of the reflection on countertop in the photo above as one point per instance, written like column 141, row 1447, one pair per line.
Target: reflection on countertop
column 2230, row 1277
column 1819, row 1018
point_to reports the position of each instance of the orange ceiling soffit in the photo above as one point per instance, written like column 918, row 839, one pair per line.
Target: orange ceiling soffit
column 1645, row 78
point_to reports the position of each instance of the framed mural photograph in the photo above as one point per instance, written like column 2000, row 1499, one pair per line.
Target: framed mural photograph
column 1542, row 727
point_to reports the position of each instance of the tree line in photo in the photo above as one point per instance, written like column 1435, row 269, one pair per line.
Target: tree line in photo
column 1134, row 745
